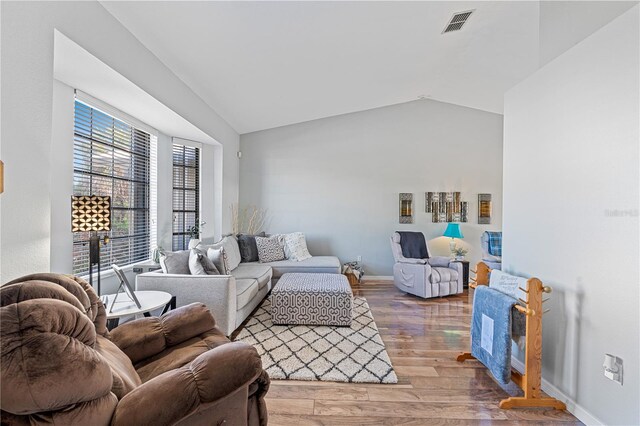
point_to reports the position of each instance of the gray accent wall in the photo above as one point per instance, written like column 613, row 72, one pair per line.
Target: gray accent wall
column 571, row 182
column 337, row 179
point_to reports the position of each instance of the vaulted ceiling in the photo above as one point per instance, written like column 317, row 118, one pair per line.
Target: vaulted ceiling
column 268, row 64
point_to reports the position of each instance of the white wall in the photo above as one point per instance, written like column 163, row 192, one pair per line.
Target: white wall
column 61, row 181
column 563, row 24
column 338, row 179
column 27, row 35
column 571, row 185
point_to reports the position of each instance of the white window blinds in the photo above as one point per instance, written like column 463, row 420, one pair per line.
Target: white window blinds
column 113, row 158
column 186, row 193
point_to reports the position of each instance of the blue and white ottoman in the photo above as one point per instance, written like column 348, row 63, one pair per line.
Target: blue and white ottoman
column 312, row 299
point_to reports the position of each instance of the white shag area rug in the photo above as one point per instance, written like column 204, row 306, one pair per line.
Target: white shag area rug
column 337, row 354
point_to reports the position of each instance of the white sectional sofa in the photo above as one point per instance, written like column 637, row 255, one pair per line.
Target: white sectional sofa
column 231, row 298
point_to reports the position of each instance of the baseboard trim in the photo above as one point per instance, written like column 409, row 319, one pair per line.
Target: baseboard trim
column 573, row 407
column 377, row 278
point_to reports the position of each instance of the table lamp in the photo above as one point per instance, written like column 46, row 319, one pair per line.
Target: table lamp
column 91, row 213
column 453, row 232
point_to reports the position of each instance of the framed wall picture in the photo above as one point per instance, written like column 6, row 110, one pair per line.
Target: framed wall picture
column 484, row 209
column 406, row 207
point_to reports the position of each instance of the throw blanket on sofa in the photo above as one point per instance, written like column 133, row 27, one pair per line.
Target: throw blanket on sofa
column 413, row 245
column 495, row 243
column 491, row 331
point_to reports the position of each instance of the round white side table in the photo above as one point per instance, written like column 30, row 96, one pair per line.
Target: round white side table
column 149, row 301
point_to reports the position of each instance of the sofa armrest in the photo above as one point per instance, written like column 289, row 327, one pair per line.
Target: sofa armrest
column 146, row 337
column 176, row 394
column 218, row 292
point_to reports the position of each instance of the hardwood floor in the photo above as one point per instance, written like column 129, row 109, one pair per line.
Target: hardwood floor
column 422, row 338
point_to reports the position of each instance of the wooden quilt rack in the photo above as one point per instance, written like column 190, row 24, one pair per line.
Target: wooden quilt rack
column 530, row 381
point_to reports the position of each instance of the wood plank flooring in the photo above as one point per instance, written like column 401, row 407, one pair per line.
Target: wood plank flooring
column 422, row 338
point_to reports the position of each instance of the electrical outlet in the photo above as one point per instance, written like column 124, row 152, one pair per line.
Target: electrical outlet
column 359, row 258
column 613, row 368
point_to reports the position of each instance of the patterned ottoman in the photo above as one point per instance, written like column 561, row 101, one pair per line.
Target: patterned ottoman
column 312, row 299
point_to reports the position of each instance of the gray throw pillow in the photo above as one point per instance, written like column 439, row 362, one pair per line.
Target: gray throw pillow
column 175, row 262
column 248, row 248
column 269, row 249
column 231, row 249
column 200, row 264
column 219, row 258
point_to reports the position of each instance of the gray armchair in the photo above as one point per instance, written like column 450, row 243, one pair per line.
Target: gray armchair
column 493, row 262
column 429, row 277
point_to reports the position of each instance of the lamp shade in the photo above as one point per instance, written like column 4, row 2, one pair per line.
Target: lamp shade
column 90, row 213
column 453, row 231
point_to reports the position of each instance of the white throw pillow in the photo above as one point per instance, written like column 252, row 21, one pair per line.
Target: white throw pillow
column 295, row 247
column 200, row 264
column 231, row 249
column 269, row 249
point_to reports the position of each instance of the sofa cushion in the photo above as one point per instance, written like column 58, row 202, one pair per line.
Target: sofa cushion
column 175, row 262
column 295, row 247
column 258, row 271
column 246, row 289
column 269, row 249
column 443, row 275
column 248, row 248
column 316, row 264
column 179, row 355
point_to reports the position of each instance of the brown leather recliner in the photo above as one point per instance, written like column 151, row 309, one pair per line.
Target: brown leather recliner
column 60, row 365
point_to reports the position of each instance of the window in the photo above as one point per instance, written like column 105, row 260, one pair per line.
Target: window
column 111, row 157
column 186, row 193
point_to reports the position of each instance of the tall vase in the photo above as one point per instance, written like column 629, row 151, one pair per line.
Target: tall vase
column 193, row 243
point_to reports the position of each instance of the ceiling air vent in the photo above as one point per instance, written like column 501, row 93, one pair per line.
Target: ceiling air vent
column 457, row 21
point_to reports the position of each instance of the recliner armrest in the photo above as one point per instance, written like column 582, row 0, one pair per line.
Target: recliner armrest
column 440, row 261
column 146, row 337
column 413, row 261
column 176, row 394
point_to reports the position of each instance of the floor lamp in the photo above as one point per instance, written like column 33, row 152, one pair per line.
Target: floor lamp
column 91, row 213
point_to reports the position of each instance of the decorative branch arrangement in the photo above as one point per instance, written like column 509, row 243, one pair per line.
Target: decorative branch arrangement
column 248, row 219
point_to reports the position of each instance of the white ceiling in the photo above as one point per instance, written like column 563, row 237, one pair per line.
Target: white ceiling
column 267, row 64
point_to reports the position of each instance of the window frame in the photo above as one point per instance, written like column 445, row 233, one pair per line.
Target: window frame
column 182, row 231
column 138, row 252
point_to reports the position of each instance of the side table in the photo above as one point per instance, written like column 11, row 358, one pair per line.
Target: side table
column 149, row 301
column 465, row 272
